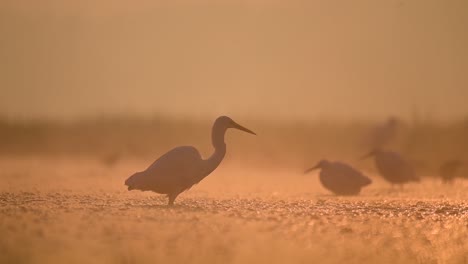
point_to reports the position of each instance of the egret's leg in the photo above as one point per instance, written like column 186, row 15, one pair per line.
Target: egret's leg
column 172, row 197
column 171, row 200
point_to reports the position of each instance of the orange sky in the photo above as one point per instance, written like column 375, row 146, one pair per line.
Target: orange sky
column 287, row 59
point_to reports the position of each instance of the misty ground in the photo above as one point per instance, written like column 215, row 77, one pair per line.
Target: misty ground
column 62, row 197
column 77, row 210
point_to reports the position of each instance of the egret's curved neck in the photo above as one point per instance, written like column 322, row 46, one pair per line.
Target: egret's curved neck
column 217, row 138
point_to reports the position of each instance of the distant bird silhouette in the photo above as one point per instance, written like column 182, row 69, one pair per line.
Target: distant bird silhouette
column 448, row 170
column 340, row 178
column 384, row 133
column 393, row 167
column 111, row 159
column 182, row 167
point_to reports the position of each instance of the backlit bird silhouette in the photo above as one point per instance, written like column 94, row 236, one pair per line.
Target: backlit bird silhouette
column 393, row 167
column 340, row 178
column 449, row 169
column 182, row 167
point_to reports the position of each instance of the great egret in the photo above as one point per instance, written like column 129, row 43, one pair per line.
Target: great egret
column 393, row 167
column 340, row 178
column 182, row 167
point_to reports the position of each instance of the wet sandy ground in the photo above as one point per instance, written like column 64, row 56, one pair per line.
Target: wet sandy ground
column 79, row 212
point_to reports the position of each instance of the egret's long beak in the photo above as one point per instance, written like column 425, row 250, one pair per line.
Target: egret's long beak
column 311, row 169
column 235, row 125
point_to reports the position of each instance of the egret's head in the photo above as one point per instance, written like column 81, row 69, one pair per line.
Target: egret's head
column 226, row 122
column 320, row 165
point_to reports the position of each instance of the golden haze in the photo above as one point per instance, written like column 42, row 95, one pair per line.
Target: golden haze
column 267, row 59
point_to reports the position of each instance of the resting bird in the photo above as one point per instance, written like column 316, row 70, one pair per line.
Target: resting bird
column 182, row 167
column 340, row 178
column 393, row 167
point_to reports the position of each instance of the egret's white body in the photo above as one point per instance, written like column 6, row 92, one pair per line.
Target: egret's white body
column 182, row 167
column 341, row 178
column 393, row 167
